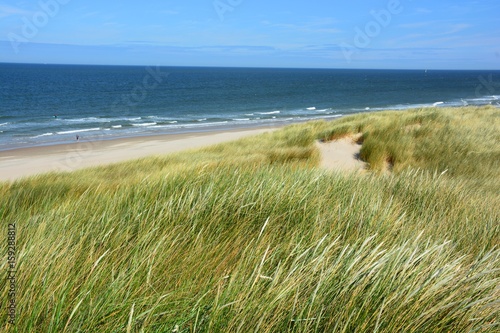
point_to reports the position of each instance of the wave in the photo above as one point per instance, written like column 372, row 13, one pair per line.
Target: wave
column 42, row 135
column 482, row 99
column 202, row 119
column 491, row 97
column 205, row 124
column 312, row 108
column 334, row 116
column 208, row 124
column 485, row 100
column 272, row 112
column 89, row 120
column 4, row 124
column 241, row 119
column 144, row 124
column 79, row 120
column 117, row 126
column 192, row 125
column 409, row 106
column 159, row 119
column 326, row 117
column 79, row 131
column 322, row 110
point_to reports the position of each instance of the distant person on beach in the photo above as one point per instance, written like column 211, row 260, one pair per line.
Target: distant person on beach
column 77, row 138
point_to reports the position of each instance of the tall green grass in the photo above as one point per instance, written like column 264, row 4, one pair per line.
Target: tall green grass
column 463, row 142
column 251, row 237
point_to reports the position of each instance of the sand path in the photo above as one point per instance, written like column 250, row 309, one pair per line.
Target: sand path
column 341, row 155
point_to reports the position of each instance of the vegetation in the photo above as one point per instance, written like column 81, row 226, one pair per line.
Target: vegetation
column 251, row 236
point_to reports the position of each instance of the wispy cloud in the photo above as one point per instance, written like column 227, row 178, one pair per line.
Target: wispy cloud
column 170, row 12
column 457, row 28
column 91, row 14
column 317, row 26
column 423, row 11
column 450, row 41
column 6, row 11
column 444, row 26
column 112, row 24
column 416, row 25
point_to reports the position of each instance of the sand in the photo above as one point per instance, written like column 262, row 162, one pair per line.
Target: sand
column 19, row 163
column 342, row 154
column 339, row 155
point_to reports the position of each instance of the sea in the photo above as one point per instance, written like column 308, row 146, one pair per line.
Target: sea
column 54, row 104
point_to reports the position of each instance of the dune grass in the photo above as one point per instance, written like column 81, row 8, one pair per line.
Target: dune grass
column 463, row 142
column 251, row 237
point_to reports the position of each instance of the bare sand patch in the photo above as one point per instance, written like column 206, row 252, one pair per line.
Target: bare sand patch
column 342, row 154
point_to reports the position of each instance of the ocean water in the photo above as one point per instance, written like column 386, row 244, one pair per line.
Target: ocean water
column 52, row 104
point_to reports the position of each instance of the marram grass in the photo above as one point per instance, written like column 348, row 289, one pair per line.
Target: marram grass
column 251, row 237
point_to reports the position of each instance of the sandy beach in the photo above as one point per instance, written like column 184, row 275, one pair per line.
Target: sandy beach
column 19, row 163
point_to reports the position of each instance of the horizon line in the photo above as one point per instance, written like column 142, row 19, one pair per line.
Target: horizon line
column 249, row 67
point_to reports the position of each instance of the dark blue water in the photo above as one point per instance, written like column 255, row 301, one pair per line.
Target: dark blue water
column 49, row 104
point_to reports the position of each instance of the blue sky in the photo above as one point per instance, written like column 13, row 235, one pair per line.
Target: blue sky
column 396, row 34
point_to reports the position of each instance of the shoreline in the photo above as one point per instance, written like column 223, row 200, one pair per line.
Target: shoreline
column 31, row 161
column 146, row 134
column 23, row 162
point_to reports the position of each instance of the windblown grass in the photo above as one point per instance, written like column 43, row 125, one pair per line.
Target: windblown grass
column 250, row 236
column 463, row 142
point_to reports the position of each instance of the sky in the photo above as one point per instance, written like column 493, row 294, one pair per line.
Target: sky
column 380, row 34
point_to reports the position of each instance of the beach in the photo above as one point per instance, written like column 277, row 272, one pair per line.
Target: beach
column 24, row 162
column 341, row 155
